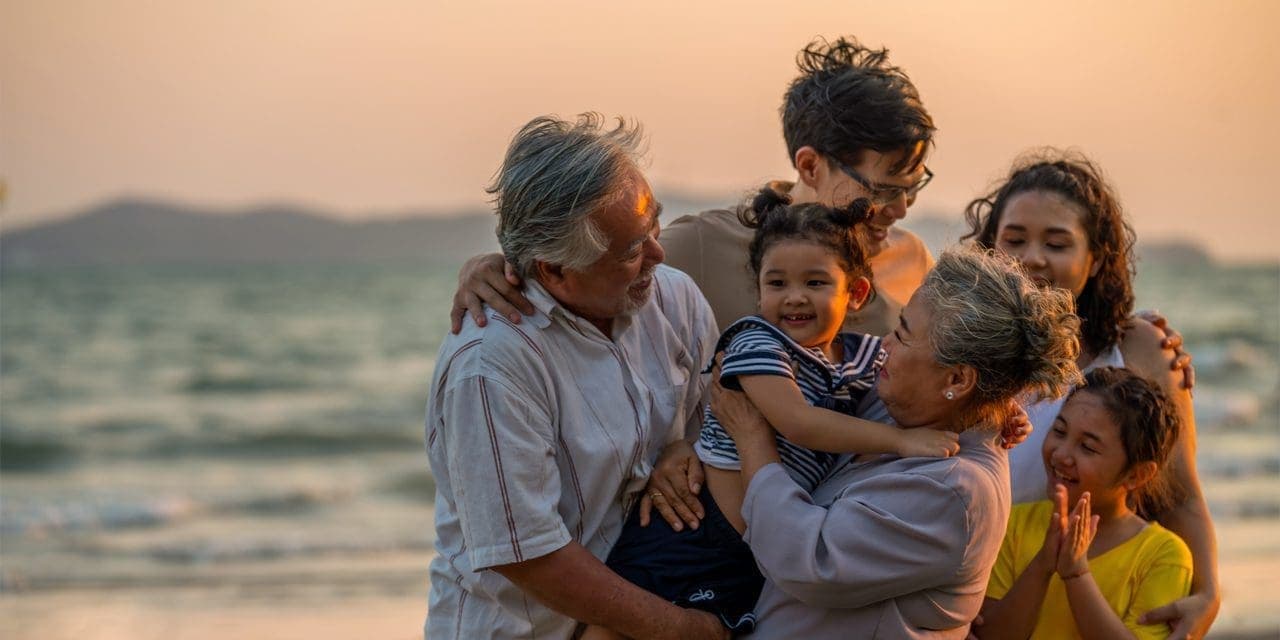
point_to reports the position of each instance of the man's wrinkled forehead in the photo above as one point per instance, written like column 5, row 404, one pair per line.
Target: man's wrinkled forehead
column 644, row 205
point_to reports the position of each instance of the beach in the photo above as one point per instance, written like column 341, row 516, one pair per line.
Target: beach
column 395, row 609
column 237, row 451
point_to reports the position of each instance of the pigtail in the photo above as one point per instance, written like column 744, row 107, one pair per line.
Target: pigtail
column 840, row 230
column 856, row 212
column 766, row 206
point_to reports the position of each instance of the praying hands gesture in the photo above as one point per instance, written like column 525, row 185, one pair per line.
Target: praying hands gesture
column 1066, row 543
column 1073, row 541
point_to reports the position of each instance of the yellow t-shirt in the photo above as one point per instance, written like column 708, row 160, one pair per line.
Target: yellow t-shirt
column 1151, row 569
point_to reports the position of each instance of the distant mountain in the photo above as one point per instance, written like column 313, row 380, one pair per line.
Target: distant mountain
column 148, row 232
column 138, row 231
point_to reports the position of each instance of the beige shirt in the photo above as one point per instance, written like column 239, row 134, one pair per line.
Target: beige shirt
column 711, row 247
column 543, row 433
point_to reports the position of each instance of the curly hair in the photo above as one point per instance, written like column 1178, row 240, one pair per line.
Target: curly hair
column 1148, row 423
column 848, row 99
column 838, row 230
column 1107, row 299
column 987, row 314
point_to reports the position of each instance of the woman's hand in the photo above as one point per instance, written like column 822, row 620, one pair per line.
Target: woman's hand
column 488, row 279
column 1073, row 550
column 1017, row 428
column 1189, row 617
column 673, row 488
column 928, row 443
column 1172, row 342
column 740, row 419
column 756, row 441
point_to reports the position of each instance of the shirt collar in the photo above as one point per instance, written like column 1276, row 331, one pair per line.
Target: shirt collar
column 542, row 301
column 548, row 308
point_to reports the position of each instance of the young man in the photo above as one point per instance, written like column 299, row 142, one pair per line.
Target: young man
column 855, row 128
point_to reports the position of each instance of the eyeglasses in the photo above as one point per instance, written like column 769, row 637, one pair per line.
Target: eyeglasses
column 881, row 194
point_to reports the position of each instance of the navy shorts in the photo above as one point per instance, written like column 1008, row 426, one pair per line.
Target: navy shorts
column 710, row 568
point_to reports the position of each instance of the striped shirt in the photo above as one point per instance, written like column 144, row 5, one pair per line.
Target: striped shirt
column 753, row 347
column 543, row 433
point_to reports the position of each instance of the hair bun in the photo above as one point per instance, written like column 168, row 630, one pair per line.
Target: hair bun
column 855, row 212
column 767, row 203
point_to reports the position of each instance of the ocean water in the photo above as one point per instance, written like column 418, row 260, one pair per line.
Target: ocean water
column 258, row 429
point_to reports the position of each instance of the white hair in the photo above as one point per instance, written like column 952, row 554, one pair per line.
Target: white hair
column 555, row 175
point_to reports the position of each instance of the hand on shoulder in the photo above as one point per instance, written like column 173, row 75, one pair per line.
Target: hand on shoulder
column 1145, row 355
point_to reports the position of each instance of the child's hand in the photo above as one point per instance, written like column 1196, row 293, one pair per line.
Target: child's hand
column 929, row 443
column 1047, row 559
column 1073, row 553
column 1017, row 428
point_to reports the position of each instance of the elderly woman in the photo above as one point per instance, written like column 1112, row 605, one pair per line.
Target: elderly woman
column 893, row 547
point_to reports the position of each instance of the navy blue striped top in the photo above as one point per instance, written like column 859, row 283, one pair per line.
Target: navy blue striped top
column 753, row 347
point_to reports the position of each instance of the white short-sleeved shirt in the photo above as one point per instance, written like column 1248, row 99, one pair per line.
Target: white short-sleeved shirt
column 543, row 433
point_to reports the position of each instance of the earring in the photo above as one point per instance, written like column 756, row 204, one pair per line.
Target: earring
column 950, row 395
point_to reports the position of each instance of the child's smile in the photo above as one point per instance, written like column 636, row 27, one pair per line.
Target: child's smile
column 804, row 291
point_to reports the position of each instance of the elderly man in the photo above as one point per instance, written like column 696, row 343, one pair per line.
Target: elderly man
column 541, row 434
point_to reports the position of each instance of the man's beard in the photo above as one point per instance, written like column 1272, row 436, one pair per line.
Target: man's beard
column 631, row 305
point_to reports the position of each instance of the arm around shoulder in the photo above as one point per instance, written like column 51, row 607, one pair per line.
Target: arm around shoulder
column 1189, row 516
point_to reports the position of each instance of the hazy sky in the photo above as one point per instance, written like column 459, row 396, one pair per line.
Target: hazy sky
column 375, row 108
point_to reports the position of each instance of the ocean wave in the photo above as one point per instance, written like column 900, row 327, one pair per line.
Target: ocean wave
column 1250, row 509
column 1218, row 410
column 417, row 485
column 239, row 383
column 286, row 442
column 24, row 453
column 94, row 513
column 1233, row 356
column 221, row 550
column 110, row 512
column 1231, row 466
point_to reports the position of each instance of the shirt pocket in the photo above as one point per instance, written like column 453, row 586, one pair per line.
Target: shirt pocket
column 669, row 403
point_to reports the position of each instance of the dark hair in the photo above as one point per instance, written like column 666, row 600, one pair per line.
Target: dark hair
column 1107, row 299
column 848, row 99
column 775, row 219
column 1148, row 422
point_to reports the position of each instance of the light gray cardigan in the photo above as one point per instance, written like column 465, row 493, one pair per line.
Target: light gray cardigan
column 886, row 548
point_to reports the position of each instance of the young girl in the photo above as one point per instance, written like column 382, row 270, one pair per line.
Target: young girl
column 1093, row 573
column 805, row 377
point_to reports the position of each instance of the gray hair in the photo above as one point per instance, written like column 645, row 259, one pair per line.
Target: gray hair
column 555, row 175
column 988, row 315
